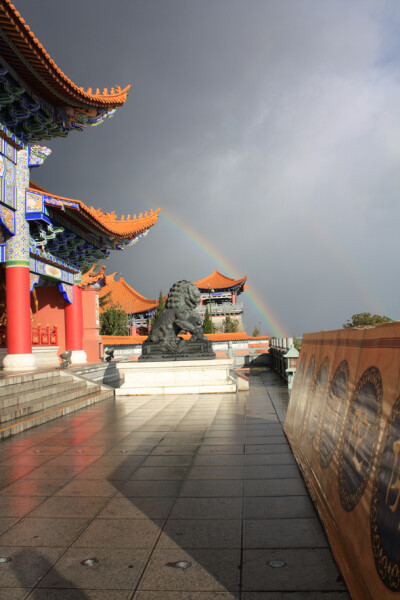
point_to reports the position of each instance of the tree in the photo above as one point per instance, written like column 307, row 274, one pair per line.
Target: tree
column 230, row 325
column 105, row 300
column 297, row 343
column 366, row 319
column 114, row 321
column 256, row 331
column 160, row 307
column 207, row 323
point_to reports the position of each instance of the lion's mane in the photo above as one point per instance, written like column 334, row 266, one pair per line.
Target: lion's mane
column 183, row 294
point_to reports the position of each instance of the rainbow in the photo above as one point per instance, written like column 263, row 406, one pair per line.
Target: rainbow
column 223, row 264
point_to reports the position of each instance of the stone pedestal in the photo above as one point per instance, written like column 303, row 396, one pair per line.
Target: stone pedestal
column 186, row 350
column 19, row 362
column 46, row 357
column 176, row 377
column 78, row 357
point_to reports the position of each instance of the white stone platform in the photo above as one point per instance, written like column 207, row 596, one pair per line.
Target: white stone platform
column 176, row 377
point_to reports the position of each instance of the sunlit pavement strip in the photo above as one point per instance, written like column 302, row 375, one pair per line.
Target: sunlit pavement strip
column 153, row 498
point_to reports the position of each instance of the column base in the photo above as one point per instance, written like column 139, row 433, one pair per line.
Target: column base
column 78, row 357
column 19, row 362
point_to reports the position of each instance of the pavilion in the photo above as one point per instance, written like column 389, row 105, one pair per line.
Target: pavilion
column 219, row 294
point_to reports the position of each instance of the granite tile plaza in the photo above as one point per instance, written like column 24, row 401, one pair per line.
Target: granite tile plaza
column 185, row 497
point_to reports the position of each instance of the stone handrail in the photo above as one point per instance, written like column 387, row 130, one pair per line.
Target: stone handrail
column 221, row 309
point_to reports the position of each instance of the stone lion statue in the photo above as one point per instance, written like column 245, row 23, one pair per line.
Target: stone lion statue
column 178, row 315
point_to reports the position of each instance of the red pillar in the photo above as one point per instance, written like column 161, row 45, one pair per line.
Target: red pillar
column 74, row 322
column 18, row 301
column 92, row 343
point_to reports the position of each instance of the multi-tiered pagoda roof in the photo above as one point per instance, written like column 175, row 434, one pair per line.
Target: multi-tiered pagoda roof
column 87, row 234
column 38, row 101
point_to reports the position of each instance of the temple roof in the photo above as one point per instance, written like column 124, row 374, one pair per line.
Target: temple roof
column 105, row 223
column 123, row 294
column 38, row 101
column 27, row 57
column 218, row 281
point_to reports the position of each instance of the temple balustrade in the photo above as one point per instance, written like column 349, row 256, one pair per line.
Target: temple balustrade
column 46, row 335
column 226, row 308
column 284, row 357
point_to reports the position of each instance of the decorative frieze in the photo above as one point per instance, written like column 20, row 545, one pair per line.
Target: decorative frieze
column 7, row 181
column 7, row 218
column 33, row 202
column 17, row 247
column 67, row 292
column 53, row 272
column 35, row 280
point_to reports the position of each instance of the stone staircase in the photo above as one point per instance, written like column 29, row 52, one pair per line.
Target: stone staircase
column 105, row 373
column 30, row 399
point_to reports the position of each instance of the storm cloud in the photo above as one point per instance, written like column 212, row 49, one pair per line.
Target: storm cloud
column 272, row 128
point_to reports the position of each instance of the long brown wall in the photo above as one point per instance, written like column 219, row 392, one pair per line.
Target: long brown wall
column 343, row 423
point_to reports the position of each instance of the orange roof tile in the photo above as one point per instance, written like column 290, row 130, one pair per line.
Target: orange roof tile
column 233, row 337
column 124, row 227
column 219, row 281
column 121, row 293
column 105, row 222
column 123, row 340
column 26, row 55
column 127, row 340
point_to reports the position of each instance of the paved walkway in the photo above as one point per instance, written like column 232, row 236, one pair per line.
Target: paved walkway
column 168, row 498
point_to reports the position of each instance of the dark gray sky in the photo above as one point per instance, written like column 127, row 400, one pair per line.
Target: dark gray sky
column 269, row 128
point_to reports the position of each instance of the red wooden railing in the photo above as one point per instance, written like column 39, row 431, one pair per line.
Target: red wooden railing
column 41, row 336
column 44, row 336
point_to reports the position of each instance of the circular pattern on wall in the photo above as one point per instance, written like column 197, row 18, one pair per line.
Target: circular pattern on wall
column 303, row 397
column 385, row 504
column 317, row 400
column 300, row 371
column 296, row 390
column 358, row 444
column 334, row 413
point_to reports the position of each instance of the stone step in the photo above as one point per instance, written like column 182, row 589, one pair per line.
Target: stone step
column 38, row 418
column 101, row 373
column 24, row 407
column 19, row 384
column 40, row 393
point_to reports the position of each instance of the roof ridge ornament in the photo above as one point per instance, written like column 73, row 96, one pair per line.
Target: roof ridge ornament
column 37, row 155
column 31, row 62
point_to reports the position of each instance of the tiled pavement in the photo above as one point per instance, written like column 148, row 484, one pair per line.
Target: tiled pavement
column 142, row 484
